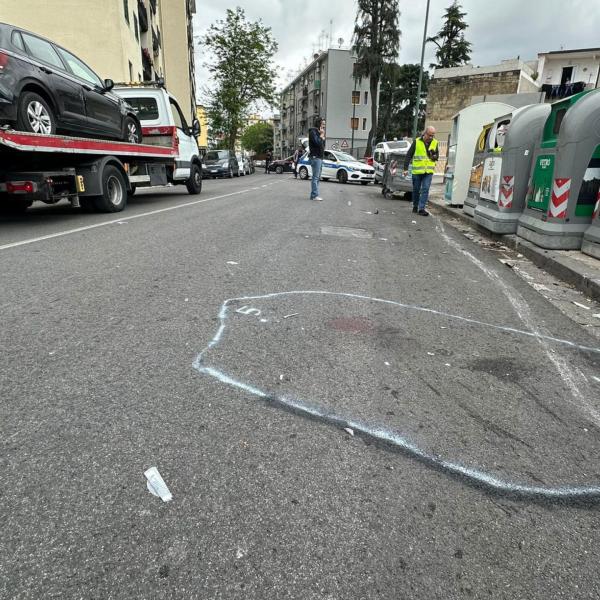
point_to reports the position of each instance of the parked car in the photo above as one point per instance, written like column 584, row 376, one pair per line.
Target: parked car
column 46, row 89
column 220, row 163
column 284, row 165
column 338, row 165
column 259, row 163
column 382, row 151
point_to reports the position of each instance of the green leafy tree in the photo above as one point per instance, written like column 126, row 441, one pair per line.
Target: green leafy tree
column 452, row 48
column 377, row 42
column 242, row 70
column 397, row 98
column 258, row 138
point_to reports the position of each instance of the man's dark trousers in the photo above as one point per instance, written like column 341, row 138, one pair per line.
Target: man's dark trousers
column 421, row 185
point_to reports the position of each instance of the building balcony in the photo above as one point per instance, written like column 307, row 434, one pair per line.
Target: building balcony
column 143, row 16
column 155, row 41
column 153, row 6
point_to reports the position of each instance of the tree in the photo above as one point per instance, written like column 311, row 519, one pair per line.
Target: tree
column 258, row 138
column 376, row 42
column 242, row 70
column 453, row 50
column 397, row 99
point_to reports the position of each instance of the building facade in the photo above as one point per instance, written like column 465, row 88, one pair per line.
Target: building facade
column 327, row 88
column 123, row 40
column 565, row 72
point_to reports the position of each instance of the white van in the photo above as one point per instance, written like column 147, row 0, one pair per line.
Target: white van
column 381, row 152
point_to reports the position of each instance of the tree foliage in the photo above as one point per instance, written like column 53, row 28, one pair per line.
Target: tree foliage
column 258, row 138
column 397, row 99
column 452, row 48
column 376, row 42
column 242, row 70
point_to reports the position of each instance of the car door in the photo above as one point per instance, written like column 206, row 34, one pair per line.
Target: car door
column 103, row 109
column 67, row 93
column 188, row 146
column 330, row 165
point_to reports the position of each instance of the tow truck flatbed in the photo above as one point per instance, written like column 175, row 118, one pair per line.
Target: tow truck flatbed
column 20, row 141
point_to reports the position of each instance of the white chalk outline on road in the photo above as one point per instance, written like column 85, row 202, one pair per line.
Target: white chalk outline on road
column 120, row 220
column 393, row 439
column 524, row 313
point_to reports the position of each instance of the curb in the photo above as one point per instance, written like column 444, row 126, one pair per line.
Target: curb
column 569, row 270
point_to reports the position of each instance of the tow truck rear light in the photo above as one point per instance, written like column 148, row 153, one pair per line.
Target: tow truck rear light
column 20, row 187
column 3, row 60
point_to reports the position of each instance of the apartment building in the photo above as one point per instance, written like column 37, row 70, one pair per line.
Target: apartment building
column 124, row 40
column 327, row 88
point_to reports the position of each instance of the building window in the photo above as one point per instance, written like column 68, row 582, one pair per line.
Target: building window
column 354, row 123
column 355, row 70
column 366, row 98
column 126, row 9
column 364, row 124
column 130, row 71
column 136, row 28
column 355, row 97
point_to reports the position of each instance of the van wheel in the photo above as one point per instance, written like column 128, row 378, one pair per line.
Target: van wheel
column 342, row 176
column 303, row 172
column 35, row 115
column 114, row 191
column 194, row 183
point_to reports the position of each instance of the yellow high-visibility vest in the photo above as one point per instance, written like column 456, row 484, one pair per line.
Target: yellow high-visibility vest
column 421, row 163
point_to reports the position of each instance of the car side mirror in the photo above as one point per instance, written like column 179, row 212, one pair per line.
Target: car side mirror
column 109, row 84
column 195, row 128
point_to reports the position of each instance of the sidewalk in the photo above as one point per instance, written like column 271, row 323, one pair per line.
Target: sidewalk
column 573, row 267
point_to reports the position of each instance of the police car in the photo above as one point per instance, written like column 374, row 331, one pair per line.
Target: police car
column 338, row 165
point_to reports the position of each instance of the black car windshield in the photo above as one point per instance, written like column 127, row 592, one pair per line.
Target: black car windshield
column 217, row 155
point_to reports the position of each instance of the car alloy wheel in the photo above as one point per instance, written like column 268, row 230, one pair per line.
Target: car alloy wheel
column 303, row 173
column 132, row 134
column 39, row 118
column 342, row 176
column 279, row 170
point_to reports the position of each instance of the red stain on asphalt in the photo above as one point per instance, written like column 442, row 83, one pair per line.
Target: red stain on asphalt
column 352, row 324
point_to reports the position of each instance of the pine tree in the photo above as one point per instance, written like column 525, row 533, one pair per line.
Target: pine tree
column 376, row 42
column 397, row 99
column 453, row 50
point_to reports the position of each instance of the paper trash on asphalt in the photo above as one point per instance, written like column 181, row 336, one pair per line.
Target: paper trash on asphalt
column 581, row 305
column 156, row 485
column 349, row 431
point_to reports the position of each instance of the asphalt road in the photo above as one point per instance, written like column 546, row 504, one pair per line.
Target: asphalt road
column 344, row 405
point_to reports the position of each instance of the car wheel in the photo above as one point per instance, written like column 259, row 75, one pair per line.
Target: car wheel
column 342, row 176
column 132, row 131
column 35, row 115
column 114, row 191
column 194, row 183
column 279, row 170
column 303, row 172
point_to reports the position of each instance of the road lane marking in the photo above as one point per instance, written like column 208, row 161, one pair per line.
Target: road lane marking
column 393, row 440
column 119, row 221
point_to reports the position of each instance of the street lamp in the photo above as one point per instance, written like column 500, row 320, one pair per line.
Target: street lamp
column 418, row 105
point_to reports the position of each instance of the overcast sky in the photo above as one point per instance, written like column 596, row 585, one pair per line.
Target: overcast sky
column 498, row 30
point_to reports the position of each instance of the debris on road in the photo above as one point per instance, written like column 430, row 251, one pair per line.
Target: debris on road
column 349, row 431
column 156, row 485
column 232, row 262
column 431, row 353
column 414, row 222
column 292, row 315
column 581, row 305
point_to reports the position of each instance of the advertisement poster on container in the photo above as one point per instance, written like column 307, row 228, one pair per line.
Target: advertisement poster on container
column 490, row 179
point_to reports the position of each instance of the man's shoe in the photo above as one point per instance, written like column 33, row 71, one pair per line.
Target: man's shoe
column 423, row 213
column 415, row 209
column 319, row 198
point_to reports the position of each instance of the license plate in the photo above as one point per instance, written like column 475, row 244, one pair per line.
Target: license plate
column 214, row 171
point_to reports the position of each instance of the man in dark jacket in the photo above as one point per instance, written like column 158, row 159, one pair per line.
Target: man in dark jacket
column 296, row 158
column 316, row 147
column 268, row 159
column 424, row 154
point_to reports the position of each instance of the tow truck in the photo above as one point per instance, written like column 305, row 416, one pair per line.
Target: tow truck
column 95, row 174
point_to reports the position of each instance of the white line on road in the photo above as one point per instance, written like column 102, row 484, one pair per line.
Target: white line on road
column 120, row 220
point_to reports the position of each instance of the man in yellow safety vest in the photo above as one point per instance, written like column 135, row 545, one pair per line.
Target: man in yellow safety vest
column 424, row 154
